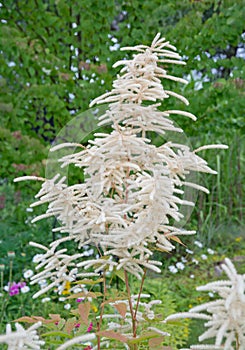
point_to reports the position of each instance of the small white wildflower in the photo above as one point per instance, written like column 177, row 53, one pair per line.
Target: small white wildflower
column 91, row 251
column 67, row 306
column 204, row 257
column 195, row 261
column 11, row 64
column 180, row 266
column 43, row 283
column 62, row 299
column 77, row 290
column 28, row 274
column 183, row 259
column 114, row 47
column 25, row 289
column 71, row 96
column 29, row 210
column 37, row 258
column 45, row 300
column 198, row 244
column 210, row 251
column 211, row 294
column 46, row 71
column 189, row 251
column 192, row 276
column 173, row 269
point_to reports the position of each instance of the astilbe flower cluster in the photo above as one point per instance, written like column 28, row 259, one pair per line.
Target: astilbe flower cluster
column 225, row 316
column 22, row 338
column 132, row 189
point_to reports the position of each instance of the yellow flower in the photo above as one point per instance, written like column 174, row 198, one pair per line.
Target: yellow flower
column 238, row 239
column 67, row 288
column 94, row 308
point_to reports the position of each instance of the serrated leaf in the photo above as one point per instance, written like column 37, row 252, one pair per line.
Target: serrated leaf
column 69, row 325
column 113, row 335
column 93, row 295
column 34, row 319
column 84, row 310
column 153, row 342
column 27, row 319
column 176, row 239
column 145, row 336
column 121, row 308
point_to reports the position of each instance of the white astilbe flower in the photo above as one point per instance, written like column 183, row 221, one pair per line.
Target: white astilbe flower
column 132, row 189
column 225, row 316
column 77, row 340
column 59, row 268
column 22, row 338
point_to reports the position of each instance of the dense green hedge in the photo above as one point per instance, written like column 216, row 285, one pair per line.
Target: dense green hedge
column 55, row 56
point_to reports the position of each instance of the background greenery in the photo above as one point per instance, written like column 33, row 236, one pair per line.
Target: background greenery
column 57, row 55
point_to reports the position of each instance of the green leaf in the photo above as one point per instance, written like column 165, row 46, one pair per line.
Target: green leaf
column 57, row 334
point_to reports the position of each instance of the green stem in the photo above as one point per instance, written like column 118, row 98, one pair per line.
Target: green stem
column 237, row 342
column 102, row 306
column 1, row 281
column 10, row 272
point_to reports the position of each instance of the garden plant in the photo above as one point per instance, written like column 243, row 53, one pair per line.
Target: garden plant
column 126, row 207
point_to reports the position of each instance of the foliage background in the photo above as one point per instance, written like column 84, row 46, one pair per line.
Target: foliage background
column 57, row 55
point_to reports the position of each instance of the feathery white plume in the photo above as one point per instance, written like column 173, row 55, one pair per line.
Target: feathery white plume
column 132, row 189
column 226, row 316
column 22, row 338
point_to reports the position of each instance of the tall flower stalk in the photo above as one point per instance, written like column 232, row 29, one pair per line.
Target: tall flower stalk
column 132, row 189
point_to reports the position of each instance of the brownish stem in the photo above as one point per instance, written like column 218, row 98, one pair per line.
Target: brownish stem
column 134, row 324
column 141, row 288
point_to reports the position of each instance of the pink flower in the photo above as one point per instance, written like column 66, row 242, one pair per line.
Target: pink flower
column 77, row 325
column 88, row 348
column 21, row 284
column 13, row 289
column 90, row 327
column 79, row 300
